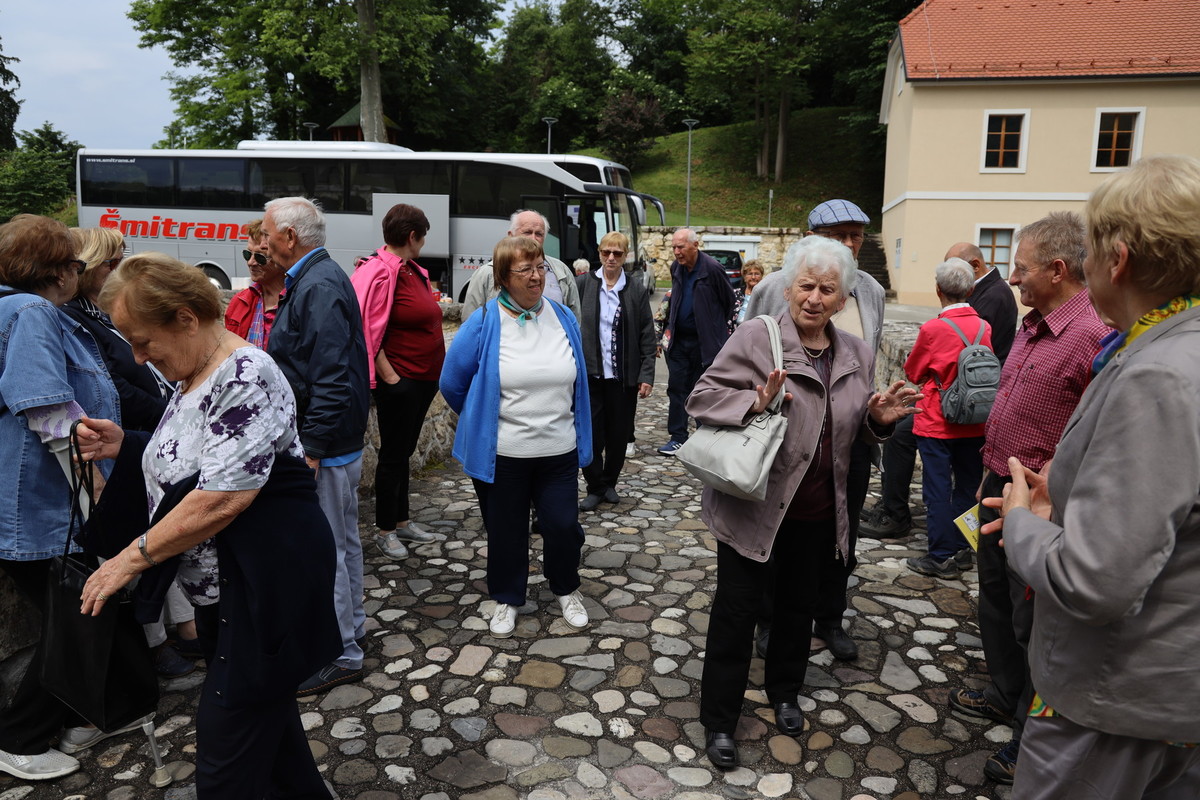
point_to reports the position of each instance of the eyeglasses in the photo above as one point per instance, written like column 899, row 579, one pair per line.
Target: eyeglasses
column 526, row 271
column 259, row 258
column 112, row 262
column 613, row 253
column 841, row 236
column 80, row 266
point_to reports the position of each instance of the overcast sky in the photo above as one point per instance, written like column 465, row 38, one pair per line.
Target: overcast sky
column 81, row 70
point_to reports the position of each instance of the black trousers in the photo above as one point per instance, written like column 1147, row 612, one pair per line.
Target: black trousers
column 684, row 368
column 551, row 484
column 34, row 716
column 613, row 408
column 801, row 558
column 1005, row 618
column 400, row 409
column 250, row 752
column 899, row 462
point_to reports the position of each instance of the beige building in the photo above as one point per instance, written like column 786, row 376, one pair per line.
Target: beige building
column 999, row 113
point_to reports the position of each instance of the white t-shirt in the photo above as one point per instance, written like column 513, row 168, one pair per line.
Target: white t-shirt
column 537, row 388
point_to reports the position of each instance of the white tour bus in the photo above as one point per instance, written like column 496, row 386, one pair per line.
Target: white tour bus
column 193, row 204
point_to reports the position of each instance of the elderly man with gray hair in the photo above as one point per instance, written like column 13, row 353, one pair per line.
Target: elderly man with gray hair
column 950, row 454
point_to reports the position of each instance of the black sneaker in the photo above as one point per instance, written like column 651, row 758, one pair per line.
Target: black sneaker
column 328, row 677
column 882, row 526
column 975, row 704
column 1002, row 766
column 928, row 565
column 965, row 558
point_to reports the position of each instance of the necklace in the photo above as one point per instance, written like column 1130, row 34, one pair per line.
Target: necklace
column 188, row 380
column 814, row 353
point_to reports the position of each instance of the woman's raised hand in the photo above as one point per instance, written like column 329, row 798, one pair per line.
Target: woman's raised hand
column 767, row 393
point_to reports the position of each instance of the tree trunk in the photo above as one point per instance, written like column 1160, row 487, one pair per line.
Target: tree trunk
column 371, row 101
column 785, row 111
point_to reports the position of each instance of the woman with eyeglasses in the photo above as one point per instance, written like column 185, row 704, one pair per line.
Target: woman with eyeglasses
column 143, row 393
column 251, row 311
column 515, row 375
column 618, row 351
column 51, row 375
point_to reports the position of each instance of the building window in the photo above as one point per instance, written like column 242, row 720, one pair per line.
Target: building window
column 996, row 244
column 1005, row 140
column 1118, row 138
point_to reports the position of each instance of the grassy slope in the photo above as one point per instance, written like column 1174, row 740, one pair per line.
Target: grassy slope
column 826, row 158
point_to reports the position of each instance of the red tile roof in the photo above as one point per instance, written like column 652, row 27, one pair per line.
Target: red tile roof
column 975, row 39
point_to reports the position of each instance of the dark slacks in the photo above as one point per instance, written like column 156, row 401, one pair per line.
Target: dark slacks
column 34, row 716
column 613, row 408
column 801, row 557
column 952, row 469
column 831, row 600
column 400, row 409
column 551, row 484
column 250, row 752
column 1064, row 761
column 898, row 463
column 683, row 370
column 1005, row 618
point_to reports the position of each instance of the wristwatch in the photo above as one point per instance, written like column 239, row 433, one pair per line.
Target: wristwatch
column 142, row 550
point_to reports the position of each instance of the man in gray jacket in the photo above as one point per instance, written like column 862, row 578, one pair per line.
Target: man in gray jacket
column 560, row 279
column 863, row 317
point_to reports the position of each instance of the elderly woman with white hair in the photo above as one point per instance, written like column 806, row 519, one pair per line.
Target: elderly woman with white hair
column 800, row 531
column 952, row 465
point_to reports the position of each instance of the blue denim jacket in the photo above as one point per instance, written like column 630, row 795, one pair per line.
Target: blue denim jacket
column 45, row 358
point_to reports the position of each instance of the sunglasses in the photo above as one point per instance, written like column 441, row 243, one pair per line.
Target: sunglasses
column 616, row 253
column 80, row 266
column 259, row 258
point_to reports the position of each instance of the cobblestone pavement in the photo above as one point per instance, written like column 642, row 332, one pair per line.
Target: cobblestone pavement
column 449, row 713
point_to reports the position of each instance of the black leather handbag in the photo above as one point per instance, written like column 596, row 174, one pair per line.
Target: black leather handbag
column 100, row 666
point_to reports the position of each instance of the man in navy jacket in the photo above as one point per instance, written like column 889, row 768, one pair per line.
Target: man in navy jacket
column 697, row 324
column 317, row 340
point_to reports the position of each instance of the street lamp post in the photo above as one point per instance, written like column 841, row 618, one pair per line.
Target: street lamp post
column 687, row 206
column 549, row 129
column 312, row 126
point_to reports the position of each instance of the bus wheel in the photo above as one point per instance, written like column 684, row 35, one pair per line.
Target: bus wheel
column 217, row 276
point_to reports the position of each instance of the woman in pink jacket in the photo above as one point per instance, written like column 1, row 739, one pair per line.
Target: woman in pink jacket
column 402, row 324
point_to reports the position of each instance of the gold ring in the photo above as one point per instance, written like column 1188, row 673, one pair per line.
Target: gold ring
column 102, row 596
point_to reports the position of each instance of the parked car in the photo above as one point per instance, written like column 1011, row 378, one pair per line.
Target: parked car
column 731, row 262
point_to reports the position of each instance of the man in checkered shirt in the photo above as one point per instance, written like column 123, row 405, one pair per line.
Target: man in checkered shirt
column 1043, row 378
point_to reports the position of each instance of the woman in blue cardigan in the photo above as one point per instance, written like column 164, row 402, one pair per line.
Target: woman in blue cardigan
column 515, row 375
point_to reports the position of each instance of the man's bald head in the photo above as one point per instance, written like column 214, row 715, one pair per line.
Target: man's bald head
column 971, row 254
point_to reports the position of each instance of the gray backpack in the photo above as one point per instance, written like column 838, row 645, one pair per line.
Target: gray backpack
column 968, row 399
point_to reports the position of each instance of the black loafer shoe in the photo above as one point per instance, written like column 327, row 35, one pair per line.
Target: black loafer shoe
column 721, row 750
column 788, row 719
column 611, row 496
column 590, row 502
column 839, row 643
column 328, row 677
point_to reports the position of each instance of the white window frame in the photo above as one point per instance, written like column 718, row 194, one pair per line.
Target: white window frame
column 1026, row 129
column 980, row 227
column 1136, row 150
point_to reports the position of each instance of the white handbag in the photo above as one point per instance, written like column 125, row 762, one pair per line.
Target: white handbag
column 737, row 459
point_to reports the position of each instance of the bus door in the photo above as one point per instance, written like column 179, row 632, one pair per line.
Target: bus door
column 558, row 238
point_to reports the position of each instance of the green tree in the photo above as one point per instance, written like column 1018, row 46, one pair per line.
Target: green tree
column 39, row 177
column 10, row 106
column 634, row 115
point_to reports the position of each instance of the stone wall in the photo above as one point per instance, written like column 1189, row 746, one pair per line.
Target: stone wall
column 656, row 244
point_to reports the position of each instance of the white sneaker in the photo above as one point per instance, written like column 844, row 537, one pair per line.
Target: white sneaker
column 415, row 533
column 390, row 545
column 74, row 740
column 504, row 621
column 42, row 767
column 630, row 450
column 574, row 614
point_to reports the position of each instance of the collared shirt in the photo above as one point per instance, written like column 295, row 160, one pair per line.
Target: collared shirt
column 1043, row 378
column 610, row 303
column 551, row 288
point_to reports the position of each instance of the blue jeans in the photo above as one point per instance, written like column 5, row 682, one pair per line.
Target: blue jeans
column 683, row 370
column 551, row 484
column 953, row 469
column 337, row 491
